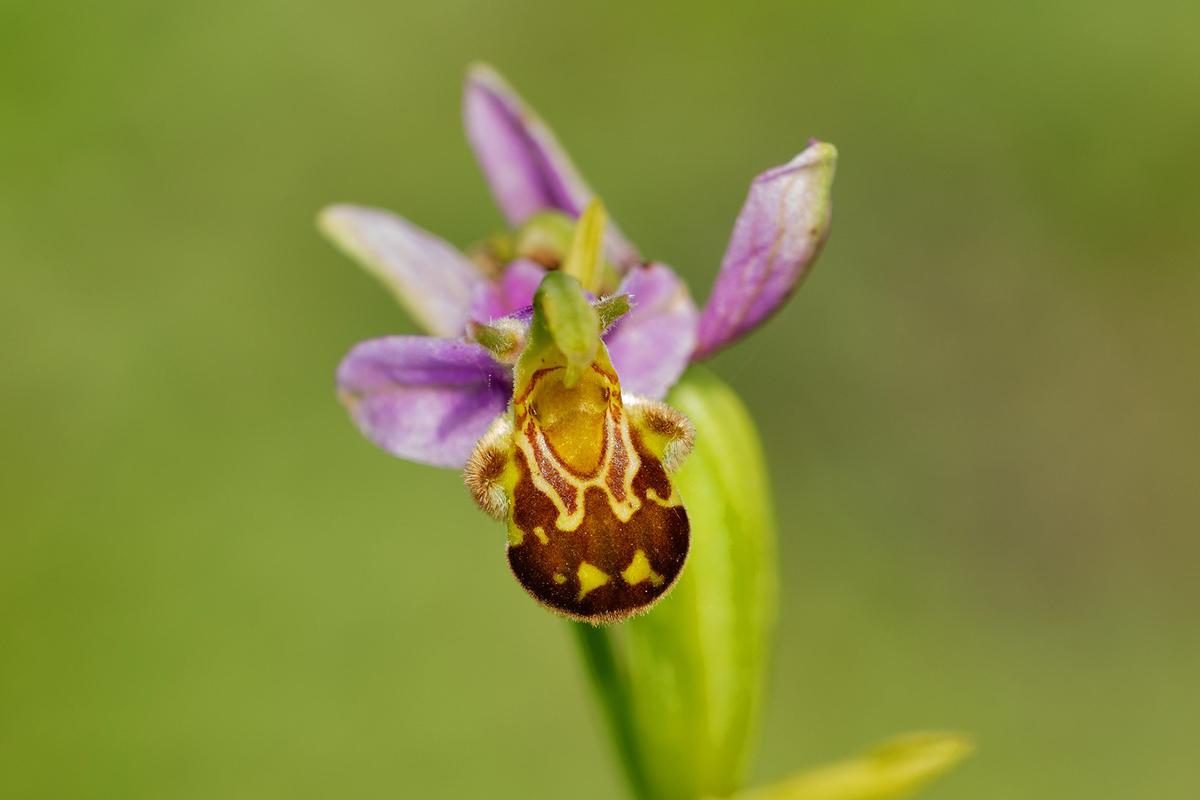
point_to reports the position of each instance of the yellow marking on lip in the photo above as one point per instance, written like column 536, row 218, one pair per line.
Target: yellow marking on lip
column 560, row 578
column 570, row 520
column 669, row 502
column 590, row 577
column 540, row 532
column 639, row 570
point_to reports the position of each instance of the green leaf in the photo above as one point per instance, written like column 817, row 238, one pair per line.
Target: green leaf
column 896, row 768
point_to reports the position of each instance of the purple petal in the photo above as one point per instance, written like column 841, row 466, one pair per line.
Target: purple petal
column 431, row 279
column 514, row 291
column 651, row 346
column 777, row 237
column 423, row 399
column 521, row 280
column 525, row 166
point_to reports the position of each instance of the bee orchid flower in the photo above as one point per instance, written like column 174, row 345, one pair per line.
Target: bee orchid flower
column 434, row 399
column 558, row 373
column 431, row 398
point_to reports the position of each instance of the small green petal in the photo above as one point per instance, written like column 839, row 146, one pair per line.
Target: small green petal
column 896, row 768
column 504, row 339
column 610, row 309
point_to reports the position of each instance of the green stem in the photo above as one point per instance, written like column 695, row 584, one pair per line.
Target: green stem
column 610, row 684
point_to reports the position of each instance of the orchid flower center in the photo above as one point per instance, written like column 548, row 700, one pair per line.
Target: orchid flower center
column 572, row 420
column 596, row 529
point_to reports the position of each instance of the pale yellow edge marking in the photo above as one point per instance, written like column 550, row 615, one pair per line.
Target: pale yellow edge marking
column 634, row 464
column 515, row 535
column 670, row 502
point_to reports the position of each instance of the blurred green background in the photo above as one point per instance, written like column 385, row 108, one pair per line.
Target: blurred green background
column 981, row 409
